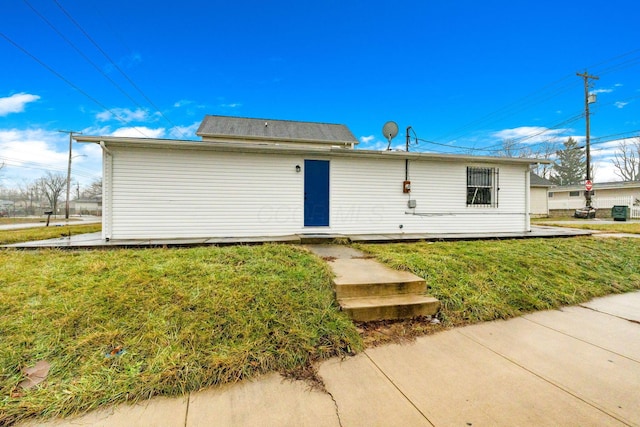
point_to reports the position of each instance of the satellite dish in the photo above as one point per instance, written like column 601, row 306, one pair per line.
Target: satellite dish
column 390, row 130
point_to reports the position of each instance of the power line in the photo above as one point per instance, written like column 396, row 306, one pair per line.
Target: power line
column 16, row 163
column 67, row 81
column 533, row 98
column 70, row 43
column 545, row 93
column 117, row 67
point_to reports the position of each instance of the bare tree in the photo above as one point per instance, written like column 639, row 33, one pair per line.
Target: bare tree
column 509, row 148
column 543, row 150
column 93, row 190
column 52, row 186
column 626, row 160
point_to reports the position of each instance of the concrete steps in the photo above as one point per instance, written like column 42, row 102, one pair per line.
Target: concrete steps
column 367, row 309
column 367, row 290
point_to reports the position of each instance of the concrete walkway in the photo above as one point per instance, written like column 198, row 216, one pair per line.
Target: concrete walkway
column 95, row 240
column 579, row 366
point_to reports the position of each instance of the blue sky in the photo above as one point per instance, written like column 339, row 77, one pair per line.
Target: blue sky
column 464, row 74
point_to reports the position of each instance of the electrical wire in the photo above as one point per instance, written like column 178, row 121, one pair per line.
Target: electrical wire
column 117, row 67
column 78, row 171
column 67, row 81
column 543, row 94
column 87, row 59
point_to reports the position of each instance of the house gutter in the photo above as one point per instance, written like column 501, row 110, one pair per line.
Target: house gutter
column 167, row 144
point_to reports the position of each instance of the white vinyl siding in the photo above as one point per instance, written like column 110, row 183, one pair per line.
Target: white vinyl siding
column 539, row 201
column 162, row 193
column 172, row 193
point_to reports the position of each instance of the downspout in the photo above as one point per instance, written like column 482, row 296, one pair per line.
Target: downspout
column 107, row 217
column 527, row 200
column 104, row 147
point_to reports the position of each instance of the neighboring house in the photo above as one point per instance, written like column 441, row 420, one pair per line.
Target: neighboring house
column 539, row 196
column 5, row 207
column 92, row 206
column 256, row 177
column 604, row 196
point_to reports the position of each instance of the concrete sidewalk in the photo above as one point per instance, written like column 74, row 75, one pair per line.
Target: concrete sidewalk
column 577, row 366
column 55, row 222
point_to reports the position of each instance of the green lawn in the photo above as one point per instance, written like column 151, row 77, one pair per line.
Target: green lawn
column 191, row 318
column 619, row 227
column 8, row 237
column 186, row 318
column 486, row 280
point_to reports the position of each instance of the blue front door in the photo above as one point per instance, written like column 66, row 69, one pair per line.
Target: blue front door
column 316, row 193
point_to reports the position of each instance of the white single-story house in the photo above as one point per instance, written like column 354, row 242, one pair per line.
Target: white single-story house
column 257, row 177
column 91, row 206
column 539, row 196
column 604, row 195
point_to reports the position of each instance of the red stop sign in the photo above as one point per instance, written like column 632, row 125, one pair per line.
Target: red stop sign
column 588, row 185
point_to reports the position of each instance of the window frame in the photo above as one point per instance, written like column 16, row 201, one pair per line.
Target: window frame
column 484, row 182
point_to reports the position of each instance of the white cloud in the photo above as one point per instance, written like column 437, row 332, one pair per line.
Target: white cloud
column 124, row 115
column 596, row 91
column 184, row 132
column 620, row 104
column 16, row 103
column 139, row 132
column 29, row 153
column 531, row 134
column 232, row 105
column 367, row 139
column 182, row 103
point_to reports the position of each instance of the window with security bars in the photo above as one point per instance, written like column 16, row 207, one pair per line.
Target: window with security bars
column 482, row 186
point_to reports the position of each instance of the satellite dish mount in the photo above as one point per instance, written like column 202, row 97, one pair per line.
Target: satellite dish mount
column 390, row 130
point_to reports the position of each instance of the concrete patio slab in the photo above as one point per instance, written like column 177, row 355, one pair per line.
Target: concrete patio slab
column 625, row 306
column 95, row 240
column 601, row 378
column 457, row 382
column 608, row 332
column 157, row 412
column 365, row 397
column 267, row 401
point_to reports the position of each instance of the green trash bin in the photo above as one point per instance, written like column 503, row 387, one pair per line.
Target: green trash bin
column 620, row 213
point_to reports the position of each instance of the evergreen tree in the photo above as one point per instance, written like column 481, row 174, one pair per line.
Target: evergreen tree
column 570, row 166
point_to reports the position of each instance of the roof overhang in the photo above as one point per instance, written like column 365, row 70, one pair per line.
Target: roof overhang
column 330, row 151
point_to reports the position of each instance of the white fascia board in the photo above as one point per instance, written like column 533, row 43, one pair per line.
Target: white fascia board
column 274, row 148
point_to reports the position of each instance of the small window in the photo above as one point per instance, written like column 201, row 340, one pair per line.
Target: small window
column 574, row 194
column 550, row 194
column 482, row 187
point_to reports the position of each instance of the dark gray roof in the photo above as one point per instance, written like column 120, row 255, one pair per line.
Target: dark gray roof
column 538, row 181
column 269, row 129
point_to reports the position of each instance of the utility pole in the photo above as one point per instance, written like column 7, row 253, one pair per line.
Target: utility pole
column 66, row 206
column 587, row 101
